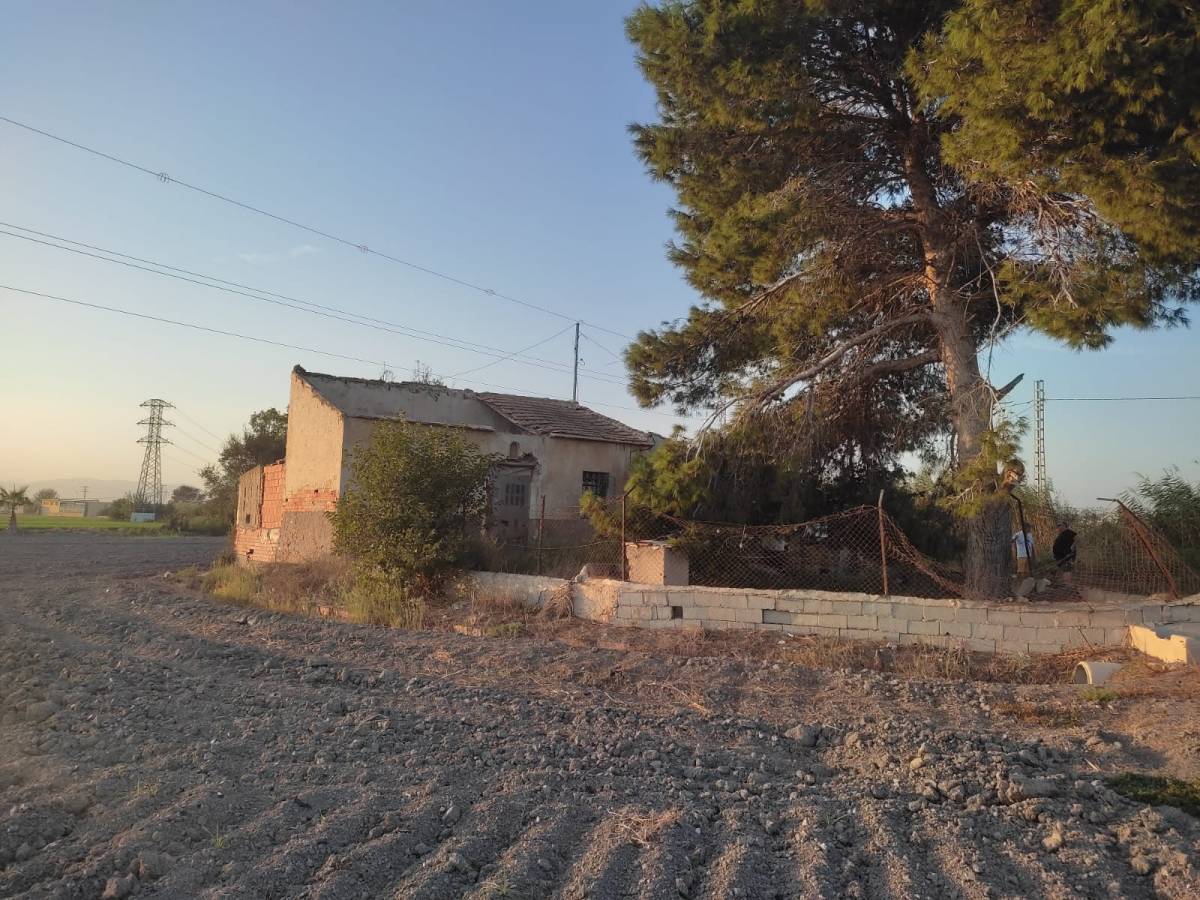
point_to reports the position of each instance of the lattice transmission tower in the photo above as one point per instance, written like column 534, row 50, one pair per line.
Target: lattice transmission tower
column 149, row 493
column 1042, row 484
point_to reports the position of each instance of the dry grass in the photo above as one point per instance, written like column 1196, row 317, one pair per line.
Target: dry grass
column 558, row 604
column 1047, row 715
column 232, row 582
column 643, row 828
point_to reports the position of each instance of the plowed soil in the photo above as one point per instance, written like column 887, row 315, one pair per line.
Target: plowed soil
column 157, row 743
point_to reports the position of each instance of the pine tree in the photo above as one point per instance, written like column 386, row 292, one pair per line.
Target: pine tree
column 878, row 189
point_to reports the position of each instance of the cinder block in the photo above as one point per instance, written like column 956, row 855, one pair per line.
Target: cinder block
column 987, row 632
column 818, row 606
column 1003, row 616
column 927, row 640
column 1037, row 619
column 860, row 634
column 847, row 607
column 1116, row 637
column 1107, row 618
column 717, row 614
column 1072, row 617
column 924, row 628
column 1020, row 633
column 878, row 608
column 979, row 645
column 760, row 601
column 810, row 629
column 831, row 621
column 868, row 623
column 957, row 629
column 1055, row 635
column 750, row 616
column 1044, row 647
column 1018, row 647
column 778, row 617
column 970, row 614
column 891, row 626
column 789, row 604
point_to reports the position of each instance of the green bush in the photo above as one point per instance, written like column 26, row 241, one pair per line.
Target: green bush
column 417, row 495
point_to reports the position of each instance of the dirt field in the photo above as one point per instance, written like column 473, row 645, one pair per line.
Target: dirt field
column 155, row 743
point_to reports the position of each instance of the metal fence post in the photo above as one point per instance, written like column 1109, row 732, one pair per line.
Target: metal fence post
column 624, row 564
column 883, row 548
column 541, row 532
column 1139, row 528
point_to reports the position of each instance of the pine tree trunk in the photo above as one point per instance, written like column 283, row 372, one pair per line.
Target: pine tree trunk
column 987, row 563
column 988, row 567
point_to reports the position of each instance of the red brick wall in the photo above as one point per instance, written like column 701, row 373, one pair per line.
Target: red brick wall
column 262, row 544
column 272, row 502
column 256, row 544
column 310, row 501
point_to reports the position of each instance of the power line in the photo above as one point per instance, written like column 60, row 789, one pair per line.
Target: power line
column 202, row 459
column 180, row 412
column 1116, row 399
column 192, row 437
column 511, row 355
column 259, row 340
column 193, row 326
column 328, row 312
column 616, row 356
column 361, row 247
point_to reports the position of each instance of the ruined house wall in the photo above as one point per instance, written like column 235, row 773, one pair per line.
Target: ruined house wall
column 259, row 513
column 312, row 481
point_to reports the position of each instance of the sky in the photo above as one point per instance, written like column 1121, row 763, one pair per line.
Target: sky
column 480, row 140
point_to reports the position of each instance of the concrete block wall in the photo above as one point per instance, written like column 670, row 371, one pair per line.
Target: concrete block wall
column 984, row 627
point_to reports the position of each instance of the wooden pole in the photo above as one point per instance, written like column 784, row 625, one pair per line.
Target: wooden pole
column 1139, row 528
column 883, row 549
column 541, row 531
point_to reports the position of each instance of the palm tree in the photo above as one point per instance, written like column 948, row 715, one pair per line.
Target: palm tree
column 12, row 498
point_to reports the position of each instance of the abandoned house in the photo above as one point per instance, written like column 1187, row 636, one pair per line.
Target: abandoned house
column 552, row 452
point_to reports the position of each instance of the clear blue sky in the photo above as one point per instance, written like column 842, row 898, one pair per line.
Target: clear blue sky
column 481, row 139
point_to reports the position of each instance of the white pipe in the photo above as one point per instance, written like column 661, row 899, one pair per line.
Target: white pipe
column 1092, row 671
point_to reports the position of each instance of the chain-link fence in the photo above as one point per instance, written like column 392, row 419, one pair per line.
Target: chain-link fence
column 859, row 550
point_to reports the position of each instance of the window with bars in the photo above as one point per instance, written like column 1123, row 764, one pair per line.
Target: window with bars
column 514, row 494
column 596, row 482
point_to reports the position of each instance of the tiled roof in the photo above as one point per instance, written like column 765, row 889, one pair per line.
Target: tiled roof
column 563, row 418
column 370, row 399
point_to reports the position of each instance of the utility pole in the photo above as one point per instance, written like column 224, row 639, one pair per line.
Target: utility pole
column 149, row 488
column 1040, row 480
column 575, row 380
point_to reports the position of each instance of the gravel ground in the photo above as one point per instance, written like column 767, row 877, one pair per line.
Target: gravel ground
column 154, row 743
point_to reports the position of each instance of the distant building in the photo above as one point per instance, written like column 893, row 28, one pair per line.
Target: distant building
column 55, row 506
column 552, row 449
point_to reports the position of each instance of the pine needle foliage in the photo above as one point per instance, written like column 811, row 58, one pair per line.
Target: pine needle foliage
column 873, row 191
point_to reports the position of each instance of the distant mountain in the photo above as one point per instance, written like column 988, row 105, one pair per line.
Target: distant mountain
column 100, row 488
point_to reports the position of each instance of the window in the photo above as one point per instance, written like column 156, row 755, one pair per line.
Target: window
column 514, row 450
column 514, row 494
column 596, row 482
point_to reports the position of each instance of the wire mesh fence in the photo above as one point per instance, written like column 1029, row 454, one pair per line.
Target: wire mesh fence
column 859, row 550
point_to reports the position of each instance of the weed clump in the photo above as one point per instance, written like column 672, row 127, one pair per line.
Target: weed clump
column 232, row 582
column 1159, row 790
column 378, row 597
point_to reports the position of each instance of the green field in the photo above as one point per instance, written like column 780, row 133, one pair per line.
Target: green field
column 92, row 523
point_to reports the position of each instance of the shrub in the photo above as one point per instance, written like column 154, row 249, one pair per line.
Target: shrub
column 416, row 496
